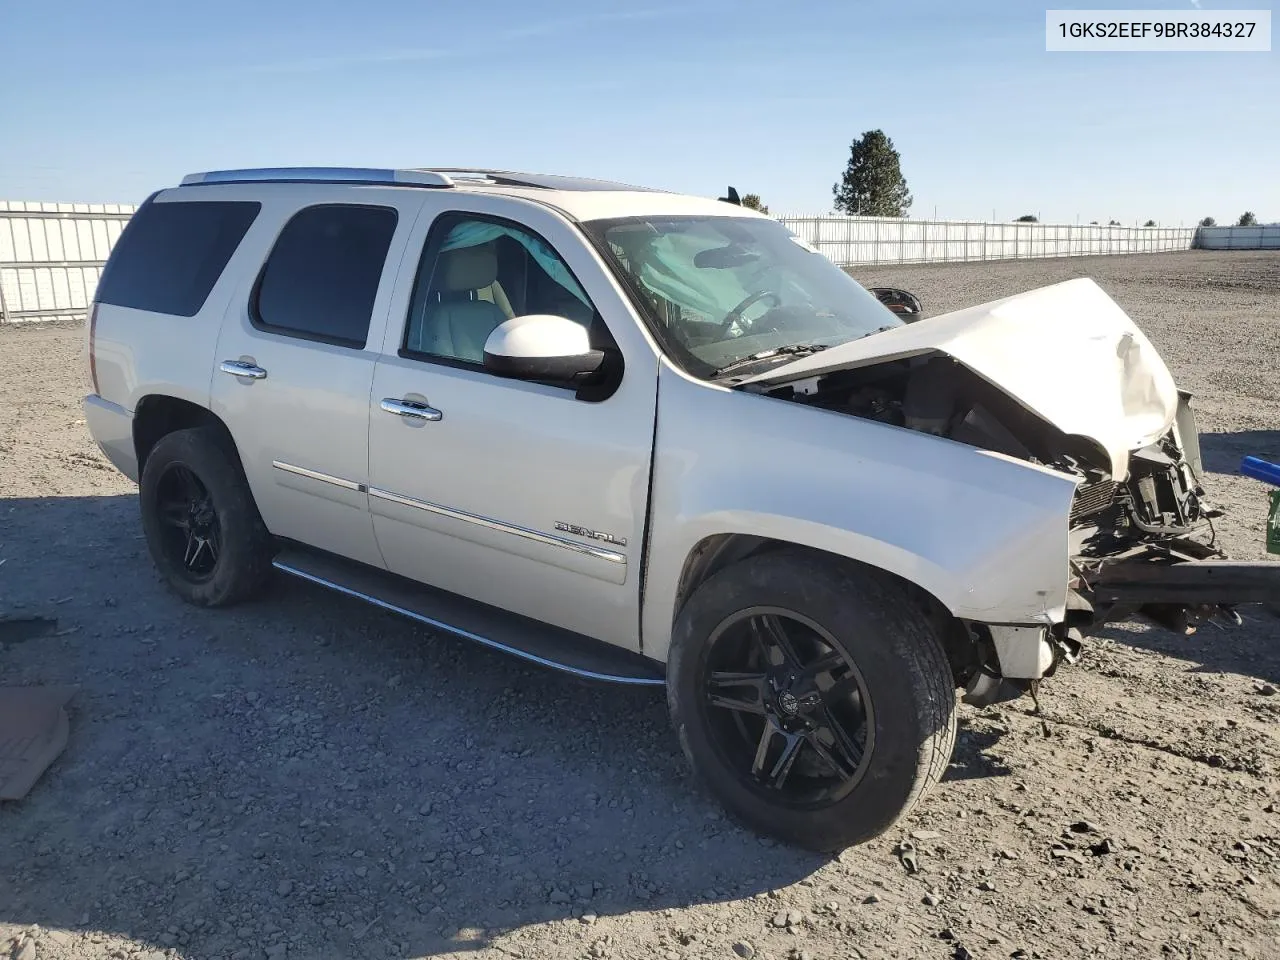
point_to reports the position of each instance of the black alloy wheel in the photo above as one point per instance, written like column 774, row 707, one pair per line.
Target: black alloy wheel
column 812, row 695
column 788, row 709
column 192, row 536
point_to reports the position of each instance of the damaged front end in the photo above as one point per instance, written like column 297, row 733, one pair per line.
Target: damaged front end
column 1127, row 535
column 1061, row 378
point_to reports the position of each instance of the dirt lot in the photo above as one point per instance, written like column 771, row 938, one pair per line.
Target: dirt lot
column 307, row 777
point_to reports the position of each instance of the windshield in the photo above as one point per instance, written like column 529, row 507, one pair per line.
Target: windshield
column 720, row 290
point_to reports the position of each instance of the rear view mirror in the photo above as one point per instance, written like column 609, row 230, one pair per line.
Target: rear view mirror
column 541, row 347
column 726, row 257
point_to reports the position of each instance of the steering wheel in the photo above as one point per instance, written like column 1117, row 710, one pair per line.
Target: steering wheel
column 734, row 315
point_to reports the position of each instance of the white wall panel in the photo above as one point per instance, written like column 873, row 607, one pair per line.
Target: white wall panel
column 869, row 240
column 51, row 254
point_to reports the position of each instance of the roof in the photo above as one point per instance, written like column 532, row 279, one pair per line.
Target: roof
column 580, row 197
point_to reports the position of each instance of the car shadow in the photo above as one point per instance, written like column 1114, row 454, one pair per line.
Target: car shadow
column 308, row 776
column 1250, row 649
column 973, row 758
column 1222, row 452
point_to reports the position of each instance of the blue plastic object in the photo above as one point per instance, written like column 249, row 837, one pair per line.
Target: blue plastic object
column 1262, row 470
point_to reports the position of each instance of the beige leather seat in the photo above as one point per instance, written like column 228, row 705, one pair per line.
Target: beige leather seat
column 457, row 320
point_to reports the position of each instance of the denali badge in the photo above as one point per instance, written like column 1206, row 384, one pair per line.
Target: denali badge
column 578, row 531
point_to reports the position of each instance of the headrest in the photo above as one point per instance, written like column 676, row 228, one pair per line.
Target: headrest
column 468, row 268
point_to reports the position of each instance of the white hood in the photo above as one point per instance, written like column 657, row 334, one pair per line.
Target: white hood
column 1066, row 352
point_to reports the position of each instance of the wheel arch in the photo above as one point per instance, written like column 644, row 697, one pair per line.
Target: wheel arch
column 156, row 415
column 716, row 552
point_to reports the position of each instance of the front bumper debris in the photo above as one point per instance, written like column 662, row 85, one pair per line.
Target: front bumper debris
column 1190, row 583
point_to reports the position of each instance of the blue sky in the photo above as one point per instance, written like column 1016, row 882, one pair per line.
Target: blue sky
column 108, row 101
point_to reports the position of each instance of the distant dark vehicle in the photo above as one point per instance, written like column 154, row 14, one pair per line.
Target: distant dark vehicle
column 906, row 305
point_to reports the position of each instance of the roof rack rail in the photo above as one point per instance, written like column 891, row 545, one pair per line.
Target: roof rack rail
column 544, row 181
column 408, row 178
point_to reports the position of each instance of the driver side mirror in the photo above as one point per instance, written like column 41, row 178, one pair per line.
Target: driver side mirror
column 540, row 346
column 901, row 302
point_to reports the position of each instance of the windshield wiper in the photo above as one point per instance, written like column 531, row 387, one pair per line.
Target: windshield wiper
column 793, row 350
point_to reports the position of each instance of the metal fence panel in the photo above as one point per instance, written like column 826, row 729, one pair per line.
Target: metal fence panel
column 1261, row 237
column 51, row 256
column 872, row 240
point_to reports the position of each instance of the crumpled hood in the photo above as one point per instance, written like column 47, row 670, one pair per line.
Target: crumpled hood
column 1066, row 352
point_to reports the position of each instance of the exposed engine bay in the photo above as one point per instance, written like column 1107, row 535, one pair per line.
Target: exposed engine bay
column 1157, row 512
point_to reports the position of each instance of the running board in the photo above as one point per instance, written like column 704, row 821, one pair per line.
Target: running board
column 531, row 640
column 1189, row 583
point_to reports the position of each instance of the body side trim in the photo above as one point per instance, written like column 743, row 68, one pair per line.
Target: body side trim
column 317, row 475
column 489, row 523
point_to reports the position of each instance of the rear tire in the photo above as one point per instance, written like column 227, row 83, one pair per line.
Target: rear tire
column 839, row 668
column 203, row 528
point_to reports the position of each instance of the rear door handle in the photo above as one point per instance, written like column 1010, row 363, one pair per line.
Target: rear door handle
column 243, row 369
column 411, row 409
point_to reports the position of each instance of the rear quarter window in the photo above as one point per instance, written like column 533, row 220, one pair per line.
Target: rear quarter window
column 321, row 277
column 171, row 254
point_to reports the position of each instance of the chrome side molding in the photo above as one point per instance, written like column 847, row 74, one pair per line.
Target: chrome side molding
column 317, row 475
column 586, row 549
column 537, row 536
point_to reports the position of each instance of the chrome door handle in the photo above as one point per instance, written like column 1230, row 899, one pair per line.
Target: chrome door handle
column 411, row 409
column 239, row 368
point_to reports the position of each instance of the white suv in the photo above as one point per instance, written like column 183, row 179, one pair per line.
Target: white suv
column 650, row 439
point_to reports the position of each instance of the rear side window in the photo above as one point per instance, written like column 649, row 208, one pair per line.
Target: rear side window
column 321, row 278
column 171, row 254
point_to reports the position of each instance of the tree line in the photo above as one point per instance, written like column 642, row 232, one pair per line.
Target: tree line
column 1247, row 219
column 872, row 185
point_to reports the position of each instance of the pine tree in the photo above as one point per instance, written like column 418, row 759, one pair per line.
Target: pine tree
column 873, row 184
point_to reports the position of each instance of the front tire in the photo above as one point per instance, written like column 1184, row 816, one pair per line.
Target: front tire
column 202, row 526
column 812, row 696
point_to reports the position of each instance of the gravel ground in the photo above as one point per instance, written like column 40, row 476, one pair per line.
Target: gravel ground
column 308, row 777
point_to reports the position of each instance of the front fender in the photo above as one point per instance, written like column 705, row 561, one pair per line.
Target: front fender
column 984, row 533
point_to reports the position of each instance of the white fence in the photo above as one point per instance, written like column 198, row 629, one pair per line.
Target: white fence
column 1240, row 238
column 872, row 240
column 51, row 255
